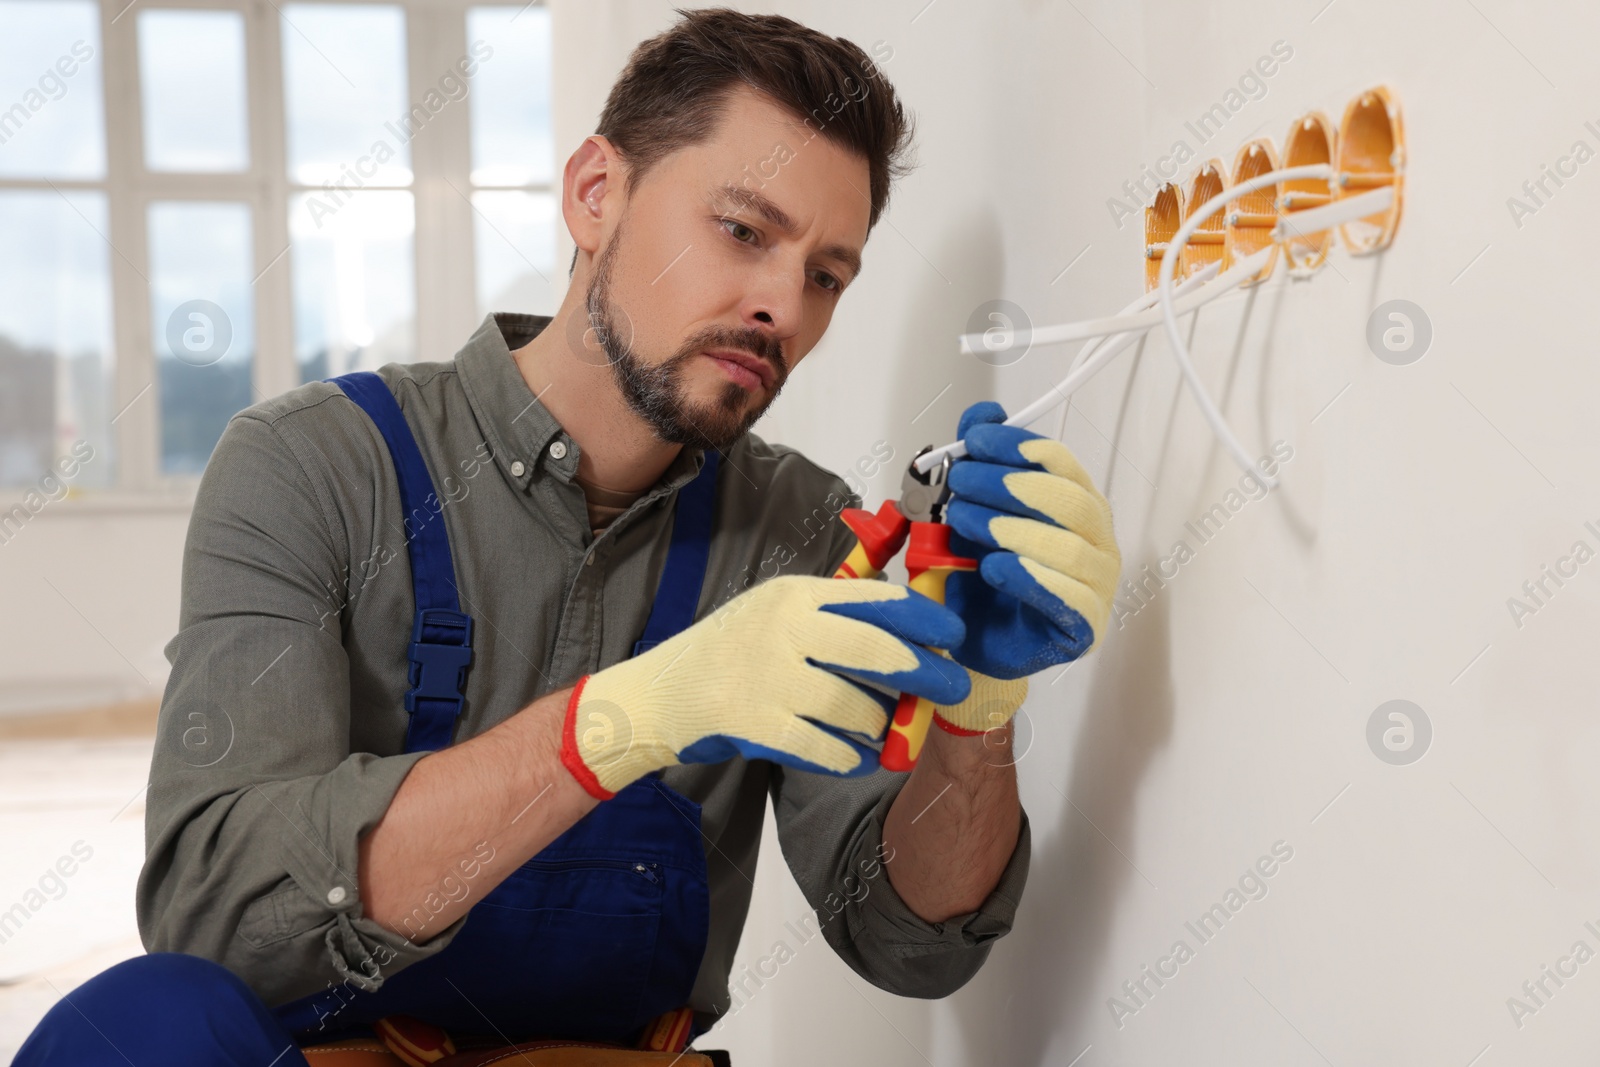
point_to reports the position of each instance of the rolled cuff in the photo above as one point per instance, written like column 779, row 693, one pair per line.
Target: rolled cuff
column 930, row 960
column 888, row 923
column 316, row 913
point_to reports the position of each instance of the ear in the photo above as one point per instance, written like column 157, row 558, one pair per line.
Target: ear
column 591, row 184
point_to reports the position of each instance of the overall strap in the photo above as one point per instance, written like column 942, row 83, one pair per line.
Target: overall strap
column 685, row 572
column 441, row 635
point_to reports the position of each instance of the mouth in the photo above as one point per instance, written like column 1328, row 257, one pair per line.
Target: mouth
column 745, row 368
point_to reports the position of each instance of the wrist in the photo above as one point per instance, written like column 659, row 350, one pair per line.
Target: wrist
column 951, row 728
column 961, row 756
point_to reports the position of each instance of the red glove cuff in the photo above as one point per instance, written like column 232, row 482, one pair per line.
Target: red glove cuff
column 952, row 728
column 569, row 748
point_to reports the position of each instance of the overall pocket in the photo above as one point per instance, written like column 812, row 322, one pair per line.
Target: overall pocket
column 562, row 948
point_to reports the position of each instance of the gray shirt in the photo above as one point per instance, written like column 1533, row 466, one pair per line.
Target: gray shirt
column 282, row 730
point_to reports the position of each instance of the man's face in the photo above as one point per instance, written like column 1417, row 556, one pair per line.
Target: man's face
column 724, row 270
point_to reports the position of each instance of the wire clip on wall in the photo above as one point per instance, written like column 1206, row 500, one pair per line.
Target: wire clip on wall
column 1349, row 182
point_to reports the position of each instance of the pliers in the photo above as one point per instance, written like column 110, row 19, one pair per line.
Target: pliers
column 929, row 562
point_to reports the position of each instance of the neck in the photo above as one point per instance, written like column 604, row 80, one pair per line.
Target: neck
column 569, row 373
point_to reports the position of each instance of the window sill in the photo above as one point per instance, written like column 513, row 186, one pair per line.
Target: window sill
column 112, row 502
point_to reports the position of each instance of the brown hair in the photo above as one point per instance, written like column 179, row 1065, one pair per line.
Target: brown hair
column 671, row 93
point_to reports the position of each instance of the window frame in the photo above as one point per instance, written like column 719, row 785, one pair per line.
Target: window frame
column 441, row 188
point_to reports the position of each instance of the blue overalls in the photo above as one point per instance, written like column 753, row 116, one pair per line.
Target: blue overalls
column 591, row 939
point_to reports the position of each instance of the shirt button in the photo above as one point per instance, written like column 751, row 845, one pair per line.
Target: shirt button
column 336, row 895
column 517, row 468
column 590, row 561
column 558, row 450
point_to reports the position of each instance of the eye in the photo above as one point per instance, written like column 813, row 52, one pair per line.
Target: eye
column 827, row 281
column 739, row 231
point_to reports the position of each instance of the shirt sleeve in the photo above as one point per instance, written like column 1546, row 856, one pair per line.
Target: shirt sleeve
column 831, row 832
column 256, row 802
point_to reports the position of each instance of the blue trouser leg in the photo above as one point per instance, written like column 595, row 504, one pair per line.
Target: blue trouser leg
column 160, row 1010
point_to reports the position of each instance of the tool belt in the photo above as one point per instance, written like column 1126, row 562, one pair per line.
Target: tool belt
column 401, row 1041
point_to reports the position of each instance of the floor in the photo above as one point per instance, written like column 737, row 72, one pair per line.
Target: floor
column 72, row 799
column 72, row 819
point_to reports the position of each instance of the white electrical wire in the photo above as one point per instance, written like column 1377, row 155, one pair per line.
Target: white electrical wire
column 1087, row 366
column 1093, row 358
column 972, row 343
column 1145, row 302
column 1132, row 322
column 1345, row 209
column 1097, row 353
column 1348, row 209
column 1169, row 266
column 1064, row 395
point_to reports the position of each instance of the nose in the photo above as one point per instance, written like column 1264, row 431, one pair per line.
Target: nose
column 774, row 300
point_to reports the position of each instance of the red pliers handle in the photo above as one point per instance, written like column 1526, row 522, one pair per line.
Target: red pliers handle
column 929, row 563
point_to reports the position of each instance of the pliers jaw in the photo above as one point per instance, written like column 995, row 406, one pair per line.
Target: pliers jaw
column 924, row 495
column 881, row 536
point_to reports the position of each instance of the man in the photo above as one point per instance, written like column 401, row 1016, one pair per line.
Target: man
column 445, row 756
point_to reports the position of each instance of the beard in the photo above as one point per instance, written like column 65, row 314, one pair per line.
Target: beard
column 657, row 392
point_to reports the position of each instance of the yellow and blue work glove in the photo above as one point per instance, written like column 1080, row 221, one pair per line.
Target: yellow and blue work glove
column 1048, row 563
column 777, row 673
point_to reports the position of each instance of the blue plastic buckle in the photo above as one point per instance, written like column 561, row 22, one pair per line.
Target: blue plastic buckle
column 439, row 668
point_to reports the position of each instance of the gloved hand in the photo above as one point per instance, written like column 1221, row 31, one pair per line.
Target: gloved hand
column 1047, row 556
column 989, row 706
column 771, row 675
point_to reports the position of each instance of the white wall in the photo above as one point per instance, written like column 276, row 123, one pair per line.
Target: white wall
column 1226, row 715
column 91, row 593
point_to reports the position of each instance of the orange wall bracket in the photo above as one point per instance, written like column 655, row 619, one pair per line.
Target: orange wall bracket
column 1161, row 221
column 1310, row 140
column 1251, row 218
column 1366, row 152
column 1207, row 244
column 1371, row 155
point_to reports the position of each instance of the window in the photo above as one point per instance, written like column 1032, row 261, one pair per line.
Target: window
column 56, row 356
column 55, row 332
column 353, row 282
column 192, row 77
column 513, row 160
column 223, row 199
column 351, row 215
column 52, row 126
column 204, row 323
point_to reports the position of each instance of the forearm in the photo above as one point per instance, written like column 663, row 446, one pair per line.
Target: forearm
column 954, row 825
column 466, row 817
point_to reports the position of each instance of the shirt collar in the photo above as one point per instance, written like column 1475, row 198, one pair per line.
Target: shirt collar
column 524, row 434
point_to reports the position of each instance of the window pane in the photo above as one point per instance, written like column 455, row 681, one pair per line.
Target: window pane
column 354, row 290
column 203, row 321
column 55, row 337
column 344, row 74
column 515, row 240
column 191, row 77
column 51, row 119
column 511, row 142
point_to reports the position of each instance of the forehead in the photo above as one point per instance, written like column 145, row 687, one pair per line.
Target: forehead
column 762, row 147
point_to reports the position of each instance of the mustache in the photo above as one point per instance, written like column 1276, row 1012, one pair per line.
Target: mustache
column 748, row 339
